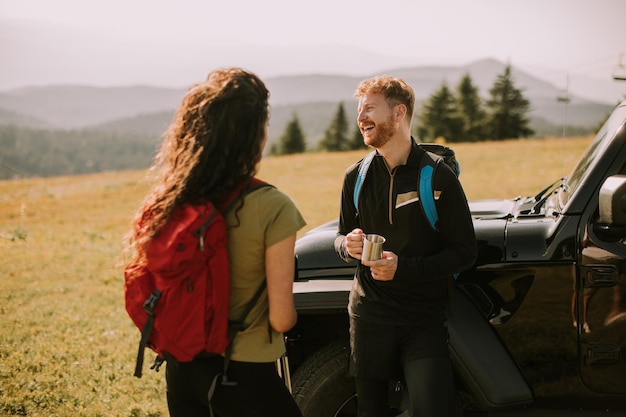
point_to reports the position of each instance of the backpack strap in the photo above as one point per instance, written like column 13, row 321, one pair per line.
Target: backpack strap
column 426, row 190
column 427, row 194
column 227, row 202
column 235, row 327
column 148, row 306
column 365, row 164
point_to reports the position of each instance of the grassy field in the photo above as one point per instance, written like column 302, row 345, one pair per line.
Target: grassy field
column 67, row 347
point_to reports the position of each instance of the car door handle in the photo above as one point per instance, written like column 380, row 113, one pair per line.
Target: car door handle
column 599, row 276
column 601, row 353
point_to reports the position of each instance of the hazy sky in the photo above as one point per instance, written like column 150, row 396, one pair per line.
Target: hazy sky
column 121, row 42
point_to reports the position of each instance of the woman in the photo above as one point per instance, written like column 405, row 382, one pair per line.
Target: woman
column 211, row 148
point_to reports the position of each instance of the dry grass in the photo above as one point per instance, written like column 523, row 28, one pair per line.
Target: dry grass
column 67, row 347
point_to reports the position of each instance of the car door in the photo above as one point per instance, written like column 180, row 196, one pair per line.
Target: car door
column 599, row 308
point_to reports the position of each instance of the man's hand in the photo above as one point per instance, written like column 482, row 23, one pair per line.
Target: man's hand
column 354, row 243
column 383, row 269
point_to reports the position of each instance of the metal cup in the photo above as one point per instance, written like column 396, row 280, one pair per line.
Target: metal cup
column 372, row 247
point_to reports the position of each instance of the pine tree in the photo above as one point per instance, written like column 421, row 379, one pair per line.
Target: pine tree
column 439, row 118
column 292, row 140
column 471, row 110
column 335, row 137
column 508, row 109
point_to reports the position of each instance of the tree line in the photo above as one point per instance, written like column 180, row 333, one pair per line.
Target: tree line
column 447, row 115
column 43, row 153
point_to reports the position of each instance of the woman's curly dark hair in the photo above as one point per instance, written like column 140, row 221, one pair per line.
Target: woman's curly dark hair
column 212, row 146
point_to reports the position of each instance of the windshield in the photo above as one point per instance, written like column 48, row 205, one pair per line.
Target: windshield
column 597, row 147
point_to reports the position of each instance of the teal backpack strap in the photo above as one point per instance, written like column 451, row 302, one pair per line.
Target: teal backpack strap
column 365, row 164
column 426, row 188
column 427, row 197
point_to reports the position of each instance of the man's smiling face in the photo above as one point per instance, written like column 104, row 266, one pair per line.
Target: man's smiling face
column 375, row 120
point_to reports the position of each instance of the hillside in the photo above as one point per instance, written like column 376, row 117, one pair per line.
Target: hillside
column 314, row 98
column 74, row 107
column 73, row 130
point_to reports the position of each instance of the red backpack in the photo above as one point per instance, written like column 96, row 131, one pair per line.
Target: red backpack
column 179, row 297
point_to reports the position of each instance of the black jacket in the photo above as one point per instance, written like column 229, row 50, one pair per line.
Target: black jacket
column 427, row 259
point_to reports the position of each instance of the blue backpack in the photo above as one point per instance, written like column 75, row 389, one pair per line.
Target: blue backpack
column 435, row 154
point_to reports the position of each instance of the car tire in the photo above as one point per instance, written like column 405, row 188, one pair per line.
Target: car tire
column 322, row 386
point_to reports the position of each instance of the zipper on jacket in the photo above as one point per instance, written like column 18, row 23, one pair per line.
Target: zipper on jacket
column 392, row 174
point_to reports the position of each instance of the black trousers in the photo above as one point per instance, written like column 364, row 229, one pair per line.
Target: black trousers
column 257, row 391
column 417, row 355
column 428, row 390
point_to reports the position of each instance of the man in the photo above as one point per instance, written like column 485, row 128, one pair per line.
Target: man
column 398, row 304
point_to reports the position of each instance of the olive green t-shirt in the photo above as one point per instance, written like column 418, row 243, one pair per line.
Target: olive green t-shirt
column 267, row 217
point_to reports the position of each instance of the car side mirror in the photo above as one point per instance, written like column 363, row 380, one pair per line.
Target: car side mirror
column 612, row 208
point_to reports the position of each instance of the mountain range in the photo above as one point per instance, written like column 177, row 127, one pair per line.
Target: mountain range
column 312, row 97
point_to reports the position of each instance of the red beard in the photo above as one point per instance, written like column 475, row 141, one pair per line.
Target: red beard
column 381, row 134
